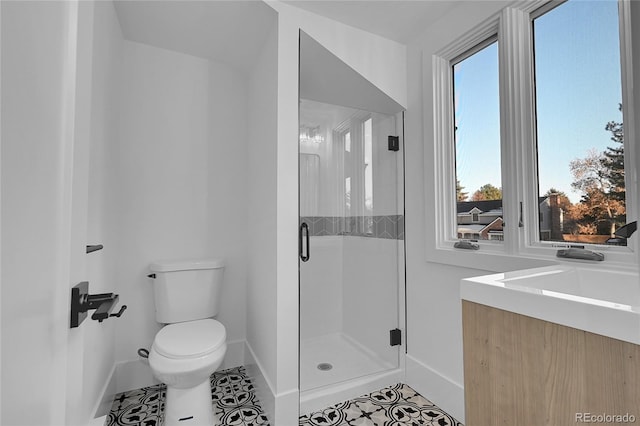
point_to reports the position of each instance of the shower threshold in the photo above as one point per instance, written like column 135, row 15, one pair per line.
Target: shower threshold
column 319, row 398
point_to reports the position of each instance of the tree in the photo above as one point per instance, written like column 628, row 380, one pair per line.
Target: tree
column 460, row 194
column 613, row 161
column 600, row 177
column 487, row 192
column 552, row 191
column 599, row 213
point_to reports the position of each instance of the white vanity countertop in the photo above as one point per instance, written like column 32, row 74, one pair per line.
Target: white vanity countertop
column 587, row 298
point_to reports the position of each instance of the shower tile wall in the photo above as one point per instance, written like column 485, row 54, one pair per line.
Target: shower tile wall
column 387, row 227
column 342, row 268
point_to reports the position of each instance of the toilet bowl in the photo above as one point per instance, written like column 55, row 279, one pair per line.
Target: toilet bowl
column 183, row 356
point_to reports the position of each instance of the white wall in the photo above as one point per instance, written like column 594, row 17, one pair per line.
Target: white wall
column 99, row 353
column 261, row 198
column 227, row 204
column 321, row 283
column 370, row 293
column 160, row 174
column 386, row 167
column 287, row 296
column 178, row 169
column 45, row 128
column 434, row 358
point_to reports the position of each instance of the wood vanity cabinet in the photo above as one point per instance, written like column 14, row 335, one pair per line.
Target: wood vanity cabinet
column 524, row 371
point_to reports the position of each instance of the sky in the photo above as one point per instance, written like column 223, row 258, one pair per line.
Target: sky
column 578, row 91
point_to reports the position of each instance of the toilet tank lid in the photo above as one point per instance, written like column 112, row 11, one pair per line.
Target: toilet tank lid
column 185, row 265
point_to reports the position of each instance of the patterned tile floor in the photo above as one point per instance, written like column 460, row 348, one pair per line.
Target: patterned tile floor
column 236, row 404
column 397, row 405
column 232, row 395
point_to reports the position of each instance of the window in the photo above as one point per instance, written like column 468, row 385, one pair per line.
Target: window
column 534, row 116
column 368, row 168
column 356, row 134
column 347, row 179
column 476, row 134
column 578, row 122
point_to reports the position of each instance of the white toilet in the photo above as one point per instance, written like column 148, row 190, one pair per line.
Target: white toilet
column 192, row 345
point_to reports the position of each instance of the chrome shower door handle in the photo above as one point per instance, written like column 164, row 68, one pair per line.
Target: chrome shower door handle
column 303, row 234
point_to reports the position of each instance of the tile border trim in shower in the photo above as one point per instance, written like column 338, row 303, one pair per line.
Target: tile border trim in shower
column 386, row 226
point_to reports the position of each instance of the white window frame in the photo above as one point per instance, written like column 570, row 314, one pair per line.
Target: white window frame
column 354, row 126
column 513, row 26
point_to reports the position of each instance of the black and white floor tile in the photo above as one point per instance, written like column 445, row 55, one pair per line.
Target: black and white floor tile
column 144, row 407
column 236, row 404
column 232, row 395
column 235, row 400
column 397, row 405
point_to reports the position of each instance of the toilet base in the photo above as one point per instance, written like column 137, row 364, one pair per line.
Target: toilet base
column 191, row 406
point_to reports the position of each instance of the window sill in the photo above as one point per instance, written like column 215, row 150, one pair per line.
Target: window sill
column 499, row 261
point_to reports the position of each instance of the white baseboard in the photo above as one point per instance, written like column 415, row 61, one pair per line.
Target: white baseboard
column 280, row 408
column 103, row 405
column 287, row 407
column 442, row 391
column 264, row 390
column 98, row 421
column 234, row 356
column 134, row 374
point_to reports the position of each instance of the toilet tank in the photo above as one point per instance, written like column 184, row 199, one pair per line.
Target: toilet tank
column 187, row 290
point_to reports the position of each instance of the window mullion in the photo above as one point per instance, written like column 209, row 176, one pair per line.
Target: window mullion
column 632, row 153
column 517, row 130
column 444, row 151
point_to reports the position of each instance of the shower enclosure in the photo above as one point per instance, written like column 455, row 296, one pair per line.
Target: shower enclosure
column 351, row 250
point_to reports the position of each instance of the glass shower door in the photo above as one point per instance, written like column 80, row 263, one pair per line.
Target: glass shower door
column 351, row 243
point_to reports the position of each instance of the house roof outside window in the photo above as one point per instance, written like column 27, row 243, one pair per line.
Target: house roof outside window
column 484, row 217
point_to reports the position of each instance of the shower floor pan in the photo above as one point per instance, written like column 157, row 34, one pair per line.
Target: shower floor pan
column 354, row 371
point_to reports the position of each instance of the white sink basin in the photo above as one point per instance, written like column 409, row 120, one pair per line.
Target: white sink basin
column 586, row 298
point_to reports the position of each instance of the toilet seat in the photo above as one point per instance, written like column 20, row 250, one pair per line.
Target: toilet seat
column 190, row 339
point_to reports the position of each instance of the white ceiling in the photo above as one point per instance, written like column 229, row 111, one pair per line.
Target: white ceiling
column 399, row 20
column 232, row 32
